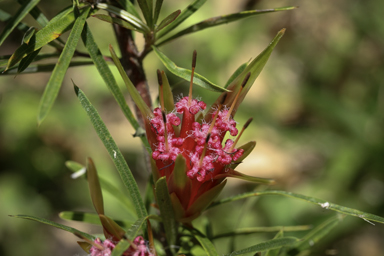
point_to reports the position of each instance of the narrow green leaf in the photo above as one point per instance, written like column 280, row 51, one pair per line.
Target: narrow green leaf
column 169, row 103
column 135, row 228
column 156, row 14
column 168, row 20
column 24, row 63
column 120, row 248
column 219, row 20
column 166, row 210
column 146, row 9
column 322, row 203
column 129, row 7
column 235, row 174
column 191, row 9
column 136, row 97
column 318, row 233
column 38, row 68
column 52, row 89
column 94, row 187
column 57, row 26
column 120, row 22
column 28, row 35
column 238, row 71
column 74, row 166
column 37, row 14
column 21, row 13
column 275, row 252
column 90, row 218
column 109, row 79
column 186, row 73
column 6, row 17
column 268, row 245
column 114, row 152
column 54, row 224
column 253, row 230
column 207, row 245
column 132, row 19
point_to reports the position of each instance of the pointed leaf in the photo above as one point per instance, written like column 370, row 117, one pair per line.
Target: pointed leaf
column 52, row 89
column 111, row 228
column 322, row 203
column 158, row 5
column 166, row 211
column 85, row 246
column 109, row 79
column 177, row 207
column 271, row 244
column 191, row 9
column 21, row 13
column 132, row 19
column 169, row 103
column 207, row 245
column 136, row 97
column 129, row 7
column 24, row 63
column 219, row 20
column 186, row 73
column 57, row 26
column 42, row 67
column 318, row 233
column 235, row 74
column 168, row 20
column 235, row 174
column 253, row 230
column 94, row 187
column 146, row 8
column 117, row 21
column 255, row 67
column 28, row 35
column 54, row 224
column 205, row 199
column 117, row 158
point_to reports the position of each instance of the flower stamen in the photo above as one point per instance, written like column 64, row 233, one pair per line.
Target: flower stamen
column 242, row 130
column 160, row 80
column 192, row 74
column 237, row 95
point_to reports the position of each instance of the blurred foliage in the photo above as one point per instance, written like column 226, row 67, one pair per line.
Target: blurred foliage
column 318, row 108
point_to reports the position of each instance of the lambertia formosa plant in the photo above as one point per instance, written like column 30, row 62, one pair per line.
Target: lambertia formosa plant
column 193, row 147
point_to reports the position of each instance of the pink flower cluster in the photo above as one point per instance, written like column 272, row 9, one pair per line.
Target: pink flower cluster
column 138, row 248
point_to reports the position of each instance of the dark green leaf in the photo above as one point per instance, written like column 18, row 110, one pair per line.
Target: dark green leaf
column 42, row 67
column 118, row 159
column 52, row 89
column 112, row 20
column 12, row 23
column 168, row 20
column 54, row 224
column 94, row 187
column 186, row 73
column 109, row 79
column 37, row 14
column 219, row 20
column 191, row 9
column 57, row 26
column 271, row 244
column 322, row 203
column 24, row 63
column 132, row 19
column 158, row 5
column 146, row 7
column 248, row 231
column 166, row 210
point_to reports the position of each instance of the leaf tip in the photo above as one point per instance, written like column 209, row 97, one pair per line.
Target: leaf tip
column 75, row 88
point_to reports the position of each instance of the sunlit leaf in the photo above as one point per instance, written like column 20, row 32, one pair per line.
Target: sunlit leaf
column 322, row 203
column 191, row 9
column 253, row 230
column 114, row 152
column 168, row 20
column 52, row 89
column 54, row 224
column 112, row 20
column 94, row 187
column 16, row 18
column 109, row 79
column 186, row 73
column 132, row 19
column 219, row 20
column 56, row 27
column 166, row 210
column 268, row 245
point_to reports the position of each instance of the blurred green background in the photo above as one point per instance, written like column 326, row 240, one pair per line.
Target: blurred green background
column 318, row 109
